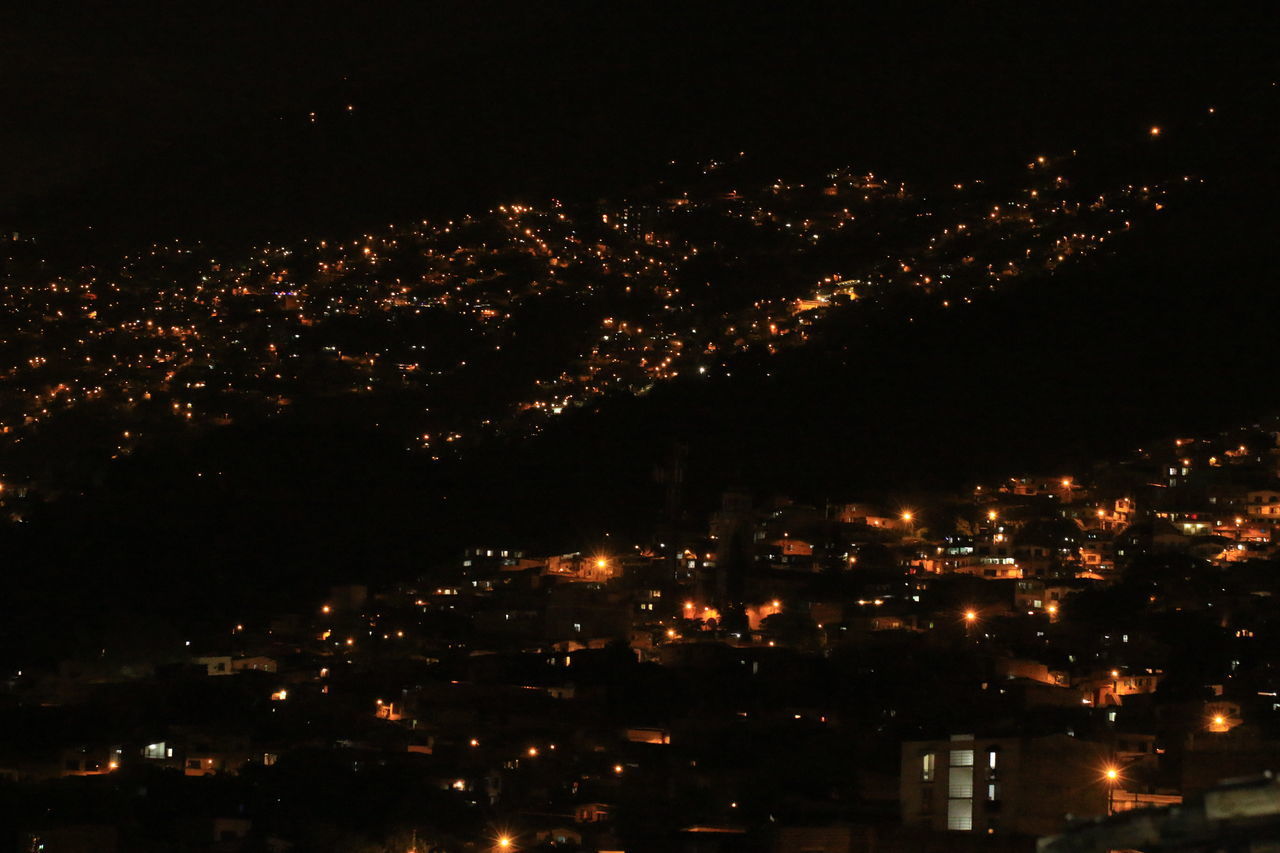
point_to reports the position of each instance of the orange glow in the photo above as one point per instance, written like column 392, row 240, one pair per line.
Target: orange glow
column 907, row 516
column 1155, row 131
column 970, row 616
column 326, row 609
column 1112, row 774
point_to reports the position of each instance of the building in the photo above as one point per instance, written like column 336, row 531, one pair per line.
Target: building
column 1264, row 504
column 1004, row 785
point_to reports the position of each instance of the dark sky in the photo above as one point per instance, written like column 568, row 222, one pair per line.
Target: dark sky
column 191, row 116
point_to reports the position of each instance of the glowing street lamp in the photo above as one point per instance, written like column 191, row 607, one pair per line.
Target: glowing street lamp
column 1111, row 775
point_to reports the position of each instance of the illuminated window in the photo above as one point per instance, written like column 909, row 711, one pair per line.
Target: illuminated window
column 960, row 782
column 928, row 762
column 960, row 815
column 960, row 790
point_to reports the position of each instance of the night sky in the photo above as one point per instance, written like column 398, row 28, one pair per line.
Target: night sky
column 154, row 120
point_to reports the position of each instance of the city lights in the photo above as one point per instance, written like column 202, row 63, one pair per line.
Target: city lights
column 635, row 471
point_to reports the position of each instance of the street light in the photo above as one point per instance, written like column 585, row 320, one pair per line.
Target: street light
column 1111, row 774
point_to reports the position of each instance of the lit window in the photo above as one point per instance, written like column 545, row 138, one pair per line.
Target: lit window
column 928, row 762
column 960, row 815
column 960, row 782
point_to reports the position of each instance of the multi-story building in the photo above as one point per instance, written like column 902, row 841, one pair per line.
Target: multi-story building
column 1003, row 785
column 1264, row 504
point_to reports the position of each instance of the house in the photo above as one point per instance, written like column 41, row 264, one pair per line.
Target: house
column 258, row 663
column 216, row 664
column 1110, row 687
column 1264, row 505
